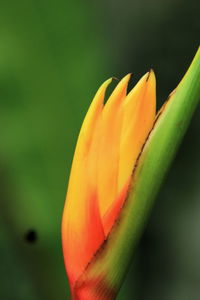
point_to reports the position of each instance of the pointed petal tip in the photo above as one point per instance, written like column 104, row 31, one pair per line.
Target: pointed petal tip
column 146, row 77
column 125, row 80
column 102, row 90
column 105, row 84
column 118, row 93
column 150, row 75
column 128, row 77
column 108, row 81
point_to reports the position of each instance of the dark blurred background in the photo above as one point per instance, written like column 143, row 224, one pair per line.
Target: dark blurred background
column 53, row 57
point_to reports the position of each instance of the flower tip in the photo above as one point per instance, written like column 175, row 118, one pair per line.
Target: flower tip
column 150, row 75
column 108, row 81
column 125, row 80
column 128, row 76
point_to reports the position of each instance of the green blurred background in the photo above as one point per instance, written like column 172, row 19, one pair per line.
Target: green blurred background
column 53, row 57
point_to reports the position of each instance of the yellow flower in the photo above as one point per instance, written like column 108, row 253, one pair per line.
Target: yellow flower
column 109, row 144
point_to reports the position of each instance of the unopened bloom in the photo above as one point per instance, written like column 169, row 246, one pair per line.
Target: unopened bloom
column 110, row 141
column 122, row 156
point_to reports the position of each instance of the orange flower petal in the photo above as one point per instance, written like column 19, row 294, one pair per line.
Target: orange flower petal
column 136, row 120
column 139, row 110
column 82, row 230
column 111, row 123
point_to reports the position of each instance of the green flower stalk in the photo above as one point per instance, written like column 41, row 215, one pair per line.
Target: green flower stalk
column 122, row 155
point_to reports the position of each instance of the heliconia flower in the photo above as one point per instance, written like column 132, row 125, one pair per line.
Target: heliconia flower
column 110, row 144
column 110, row 140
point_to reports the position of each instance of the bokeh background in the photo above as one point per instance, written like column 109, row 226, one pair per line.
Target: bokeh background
column 53, row 57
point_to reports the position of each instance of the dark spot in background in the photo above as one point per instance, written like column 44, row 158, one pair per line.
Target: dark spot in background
column 31, row 236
